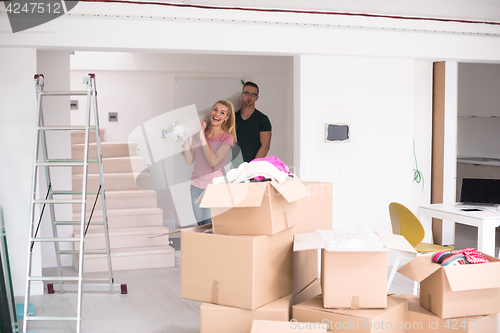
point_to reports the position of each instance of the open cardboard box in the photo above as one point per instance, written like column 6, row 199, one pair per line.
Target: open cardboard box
column 242, row 271
column 267, row 326
column 390, row 319
column 421, row 320
column 353, row 278
column 228, row 319
column 315, row 210
column 456, row 291
column 260, row 208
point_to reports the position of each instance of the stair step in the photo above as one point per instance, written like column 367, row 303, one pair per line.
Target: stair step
column 79, row 136
column 114, row 181
column 126, row 164
column 124, row 237
column 108, row 149
column 150, row 231
column 127, row 218
column 120, row 200
column 130, row 258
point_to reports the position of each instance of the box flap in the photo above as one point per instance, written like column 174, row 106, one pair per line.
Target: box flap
column 309, row 241
column 233, row 195
column 396, row 242
column 473, row 276
column 198, row 228
column 292, row 189
column 314, row 240
column 419, row 268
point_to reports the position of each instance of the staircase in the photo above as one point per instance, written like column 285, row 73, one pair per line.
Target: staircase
column 133, row 215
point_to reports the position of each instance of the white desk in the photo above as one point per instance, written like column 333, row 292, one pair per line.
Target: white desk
column 485, row 221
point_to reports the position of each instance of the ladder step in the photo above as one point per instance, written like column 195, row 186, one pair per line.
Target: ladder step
column 71, row 160
column 64, row 128
column 58, row 239
column 96, row 280
column 58, row 201
column 54, row 278
column 89, row 287
column 84, row 252
column 78, row 223
column 63, row 163
column 98, row 285
column 72, row 193
column 40, row 318
column 65, row 93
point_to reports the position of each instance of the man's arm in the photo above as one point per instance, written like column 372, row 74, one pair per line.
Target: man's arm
column 265, row 144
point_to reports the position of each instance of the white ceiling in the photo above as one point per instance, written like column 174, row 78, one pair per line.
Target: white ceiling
column 469, row 10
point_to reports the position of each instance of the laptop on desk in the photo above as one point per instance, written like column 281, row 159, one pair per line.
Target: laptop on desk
column 479, row 193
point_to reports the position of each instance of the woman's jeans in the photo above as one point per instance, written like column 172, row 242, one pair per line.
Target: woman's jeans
column 202, row 215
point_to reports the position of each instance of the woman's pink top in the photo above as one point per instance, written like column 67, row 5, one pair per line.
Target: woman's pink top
column 202, row 172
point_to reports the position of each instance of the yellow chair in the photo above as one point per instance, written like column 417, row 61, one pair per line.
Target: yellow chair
column 406, row 224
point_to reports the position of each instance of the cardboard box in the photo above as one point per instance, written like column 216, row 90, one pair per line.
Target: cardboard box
column 353, row 278
column 226, row 319
column 456, row 291
column 242, row 271
column 390, row 319
column 262, row 208
column 312, row 290
column 266, row 326
column 421, row 320
column 316, row 210
column 305, row 268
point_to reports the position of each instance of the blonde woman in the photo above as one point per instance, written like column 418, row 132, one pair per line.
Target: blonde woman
column 208, row 150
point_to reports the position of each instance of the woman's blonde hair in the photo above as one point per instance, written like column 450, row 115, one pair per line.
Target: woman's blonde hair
column 230, row 124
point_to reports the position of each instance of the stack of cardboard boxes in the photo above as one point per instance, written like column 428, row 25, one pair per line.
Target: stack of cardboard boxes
column 256, row 263
column 241, row 266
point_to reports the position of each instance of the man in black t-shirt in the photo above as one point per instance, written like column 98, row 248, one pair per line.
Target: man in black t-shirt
column 253, row 128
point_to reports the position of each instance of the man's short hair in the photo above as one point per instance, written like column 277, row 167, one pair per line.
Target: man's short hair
column 251, row 84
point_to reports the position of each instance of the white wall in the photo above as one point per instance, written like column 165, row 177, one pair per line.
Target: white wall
column 17, row 138
column 422, row 132
column 375, row 97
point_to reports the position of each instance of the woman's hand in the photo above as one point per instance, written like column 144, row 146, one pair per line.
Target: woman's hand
column 203, row 126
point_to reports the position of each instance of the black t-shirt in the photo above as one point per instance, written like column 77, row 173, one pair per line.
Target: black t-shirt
column 248, row 133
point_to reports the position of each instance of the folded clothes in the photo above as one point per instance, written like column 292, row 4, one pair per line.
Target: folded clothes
column 274, row 161
column 473, row 256
column 449, row 259
column 250, row 170
column 459, row 257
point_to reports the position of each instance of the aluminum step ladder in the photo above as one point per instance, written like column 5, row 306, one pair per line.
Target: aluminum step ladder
column 51, row 198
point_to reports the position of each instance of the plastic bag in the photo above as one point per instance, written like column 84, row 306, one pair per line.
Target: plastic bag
column 364, row 239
